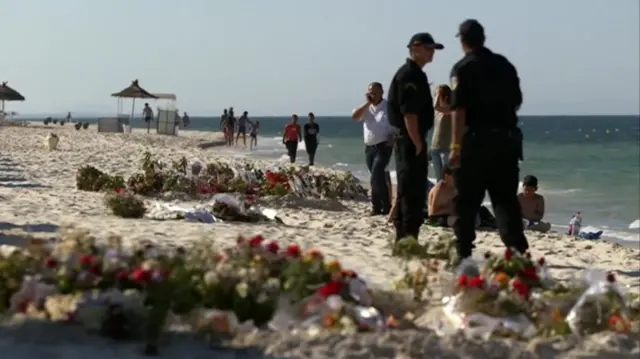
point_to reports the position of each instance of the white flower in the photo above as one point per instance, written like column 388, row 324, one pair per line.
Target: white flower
column 242, row 289
column 211, row 278
column 273, row 283
column 243, row 273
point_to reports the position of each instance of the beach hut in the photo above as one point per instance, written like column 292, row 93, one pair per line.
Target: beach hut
column 8, row 94
column 134, row 91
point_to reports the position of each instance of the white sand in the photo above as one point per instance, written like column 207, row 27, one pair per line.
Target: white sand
column 38, row 194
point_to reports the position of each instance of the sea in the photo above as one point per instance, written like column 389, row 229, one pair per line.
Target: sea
column 587, row 164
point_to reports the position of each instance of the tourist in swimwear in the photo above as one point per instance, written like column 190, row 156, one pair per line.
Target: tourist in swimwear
column 147, row 114
column 311, row 130
column 441, row 205
column 291, row 136
column 242, row 128
column 255, row 129
column 223, row 124
column 532, row 205
column 230, row 126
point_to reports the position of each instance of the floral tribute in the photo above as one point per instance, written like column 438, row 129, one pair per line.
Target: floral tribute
column 156, row 178
column 514, row 295
column 136, row 294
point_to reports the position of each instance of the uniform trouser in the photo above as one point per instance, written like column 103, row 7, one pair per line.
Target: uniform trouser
column 377, row 158
column 411, row 171
column 488, row 163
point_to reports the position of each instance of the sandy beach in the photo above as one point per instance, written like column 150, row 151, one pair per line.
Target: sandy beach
column 38, row 195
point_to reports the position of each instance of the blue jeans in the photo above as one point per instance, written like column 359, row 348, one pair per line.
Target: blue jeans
column 377, row 157
column 440, row 159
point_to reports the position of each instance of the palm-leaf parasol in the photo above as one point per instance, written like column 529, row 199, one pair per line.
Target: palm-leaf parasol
column 8, row 94
column 134, row 91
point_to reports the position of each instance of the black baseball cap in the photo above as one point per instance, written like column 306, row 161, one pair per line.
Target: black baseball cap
column 424, row 39
column 470, row 29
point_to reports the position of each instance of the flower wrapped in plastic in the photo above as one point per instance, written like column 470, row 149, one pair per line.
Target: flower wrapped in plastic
column 601, row 307
column 494, row 299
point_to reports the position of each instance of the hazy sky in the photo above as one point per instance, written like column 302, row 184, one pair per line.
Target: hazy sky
column 283, row 56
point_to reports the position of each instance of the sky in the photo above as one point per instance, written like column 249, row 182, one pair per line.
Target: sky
column 277, row 57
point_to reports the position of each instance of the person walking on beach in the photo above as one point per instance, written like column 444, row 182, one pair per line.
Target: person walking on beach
column 242, row 128
column 291, row 137
column 223, row 125
column 441, row 138
column 410, row 107
column 185, row 120
column 230, row 126
column 486, row 143
column 147, row 114
column 378, row 141
column 311, row 130
column 253, row 140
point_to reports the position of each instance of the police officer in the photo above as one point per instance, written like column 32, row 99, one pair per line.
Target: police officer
column 486, row 142
column 410, row 110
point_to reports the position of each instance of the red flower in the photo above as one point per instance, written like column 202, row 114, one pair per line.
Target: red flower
column 95, row 269
column 476, row 282
column 349, row 274
column 273, row 247
column 529, row 273
column 314, row 253
column 463, row 281
column 250, row 198
column 87, row 259
column 508, row 254
column 611, row 278
column 219, row 257
column 51, row 262
column 541, row 261
column 23, row 306
column 521, row 288
column 256, row 241
column 293, row 250
column 122, row 275
column 141, row 276
column 332, row 288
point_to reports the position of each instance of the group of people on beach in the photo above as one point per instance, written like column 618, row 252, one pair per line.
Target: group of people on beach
column 230, row 126
column 293, row 134
column 475, row 147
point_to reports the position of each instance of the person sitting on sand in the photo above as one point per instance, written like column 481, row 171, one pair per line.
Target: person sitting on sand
column 441, row 205
column 532, row 205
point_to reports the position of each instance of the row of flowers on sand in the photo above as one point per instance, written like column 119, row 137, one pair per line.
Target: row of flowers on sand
column 156, row 178
column 258, row 284
column 513, row 294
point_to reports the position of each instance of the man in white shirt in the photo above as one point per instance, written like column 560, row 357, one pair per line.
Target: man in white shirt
column 378, row 146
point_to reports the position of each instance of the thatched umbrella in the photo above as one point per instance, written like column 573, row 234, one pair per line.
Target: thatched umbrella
column 8, row 94
column 133, row 92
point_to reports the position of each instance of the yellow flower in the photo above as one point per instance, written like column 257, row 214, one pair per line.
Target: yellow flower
column 333, row 266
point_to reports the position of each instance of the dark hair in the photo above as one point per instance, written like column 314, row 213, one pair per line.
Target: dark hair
column 530, row 181
column 376, row 84
column 312, row 115
column 447, row 171
column 445, row 91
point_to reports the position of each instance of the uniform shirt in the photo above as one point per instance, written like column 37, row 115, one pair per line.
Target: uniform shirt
column 409, row 92
column 375, row 124
column 487, row 86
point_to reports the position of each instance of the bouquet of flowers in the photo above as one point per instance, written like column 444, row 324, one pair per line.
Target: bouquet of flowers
column 124, row 203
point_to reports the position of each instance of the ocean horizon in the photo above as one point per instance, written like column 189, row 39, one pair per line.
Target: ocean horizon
column 588, row 164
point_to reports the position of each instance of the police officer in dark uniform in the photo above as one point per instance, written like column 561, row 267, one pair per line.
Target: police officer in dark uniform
column 486, row 142
column 410, row 110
